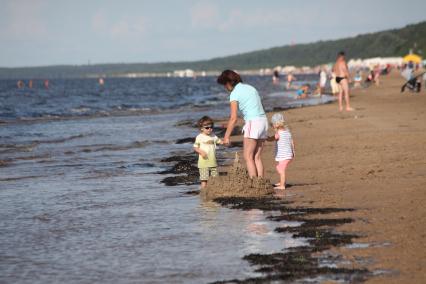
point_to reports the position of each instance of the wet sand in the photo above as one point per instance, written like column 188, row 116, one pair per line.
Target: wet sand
column 372, row 160
column 356, row 185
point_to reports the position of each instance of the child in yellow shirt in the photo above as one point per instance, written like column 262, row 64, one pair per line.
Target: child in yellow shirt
column 205, row 146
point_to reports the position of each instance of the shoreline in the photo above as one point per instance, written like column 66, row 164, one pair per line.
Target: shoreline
column 372, row 160
column 361, row 171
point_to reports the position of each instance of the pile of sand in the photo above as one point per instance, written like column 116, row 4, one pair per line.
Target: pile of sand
column 236, row 183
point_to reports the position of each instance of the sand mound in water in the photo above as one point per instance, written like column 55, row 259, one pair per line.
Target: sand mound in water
column 236, row 184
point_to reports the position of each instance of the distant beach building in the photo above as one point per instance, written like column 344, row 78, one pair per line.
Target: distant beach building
column 306, row 69
column 371, row 62
column 278, row 68
column 188, row 73
column 288, row 69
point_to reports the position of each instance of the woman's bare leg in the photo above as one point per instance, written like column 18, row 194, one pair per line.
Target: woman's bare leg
column 258, row 158
column 249, row 148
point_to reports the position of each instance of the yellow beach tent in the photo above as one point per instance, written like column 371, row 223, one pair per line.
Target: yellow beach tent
column 412, row 57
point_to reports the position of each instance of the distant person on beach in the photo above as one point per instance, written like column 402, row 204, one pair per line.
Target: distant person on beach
column 276, row 77
column 284, row 148
column 30, row 84
column 46, row 84
column 245, row 98
column 290, row 79
column 335, row 88
column 343, row 79
column 205, row 146
column 20, row 84
column 408, row 72
column 377, row 72
column 424, row 80
column 370, row 77
column 302, row 92
column 322, row 80
column 357, row 79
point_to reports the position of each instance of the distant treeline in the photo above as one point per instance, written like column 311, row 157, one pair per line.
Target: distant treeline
column 396, row 42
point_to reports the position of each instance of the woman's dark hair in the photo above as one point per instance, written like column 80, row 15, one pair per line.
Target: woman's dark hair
column 205, row 120
column 229, row 76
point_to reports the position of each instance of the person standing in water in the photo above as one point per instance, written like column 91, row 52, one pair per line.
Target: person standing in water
column 290, row 79
column 343, row 79
column 322, row 80
column 275, row 77
column 246, row 98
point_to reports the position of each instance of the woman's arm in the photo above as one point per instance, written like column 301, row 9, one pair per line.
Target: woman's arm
column 231, row 122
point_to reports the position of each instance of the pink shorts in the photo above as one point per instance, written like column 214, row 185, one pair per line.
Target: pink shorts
column 282, row 165
column 256, row 128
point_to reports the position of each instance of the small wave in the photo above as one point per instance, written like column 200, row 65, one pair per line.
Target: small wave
column 7, row 162
column 43, row 217
column 80, row 110
column 4, row 163
column 62, row 140
column 288, row 94
column 27, row 158
column 113, row 147
column 11, row 148
column 20, row 178
column 82, row 115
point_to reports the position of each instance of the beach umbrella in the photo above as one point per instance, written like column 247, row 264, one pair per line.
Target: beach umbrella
column 413, row 58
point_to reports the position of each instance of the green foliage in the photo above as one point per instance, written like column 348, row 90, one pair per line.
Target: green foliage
column 396, row 42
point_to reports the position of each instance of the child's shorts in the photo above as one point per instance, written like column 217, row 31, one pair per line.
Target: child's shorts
column 282, row 165
column 205, row 173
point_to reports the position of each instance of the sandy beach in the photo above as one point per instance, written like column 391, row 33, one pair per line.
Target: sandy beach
column 372, row 160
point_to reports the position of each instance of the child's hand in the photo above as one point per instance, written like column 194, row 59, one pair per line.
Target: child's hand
column 203, row 154
column 270, row 138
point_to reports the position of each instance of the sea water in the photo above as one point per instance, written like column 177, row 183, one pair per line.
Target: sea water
column 81, row 200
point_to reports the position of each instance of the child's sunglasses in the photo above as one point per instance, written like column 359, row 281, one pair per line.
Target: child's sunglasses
column 207, row 127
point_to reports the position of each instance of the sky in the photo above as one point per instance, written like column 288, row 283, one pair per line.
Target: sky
column 55, row 32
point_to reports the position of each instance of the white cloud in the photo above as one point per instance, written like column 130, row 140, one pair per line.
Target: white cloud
column 260, row 18
column 204, row 15
column 23, row 20
column 99, row 21
column 125, row 27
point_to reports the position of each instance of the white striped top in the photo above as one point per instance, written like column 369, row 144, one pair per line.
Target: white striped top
column 283, row 145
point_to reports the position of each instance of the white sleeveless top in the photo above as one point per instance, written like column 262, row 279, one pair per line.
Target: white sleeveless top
column 283, row 146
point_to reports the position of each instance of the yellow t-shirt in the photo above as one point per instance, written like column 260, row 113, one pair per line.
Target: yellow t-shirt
column 207, row 144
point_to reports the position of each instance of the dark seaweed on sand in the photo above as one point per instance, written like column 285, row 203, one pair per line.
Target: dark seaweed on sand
column 303, row 262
